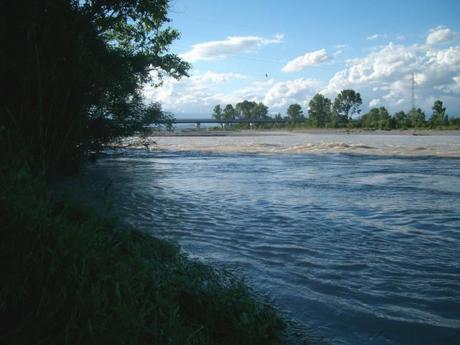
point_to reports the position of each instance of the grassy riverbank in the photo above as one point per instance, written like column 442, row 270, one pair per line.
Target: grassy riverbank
column 71, row 277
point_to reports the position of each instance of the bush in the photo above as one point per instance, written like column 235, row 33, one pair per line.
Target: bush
column 71, row 277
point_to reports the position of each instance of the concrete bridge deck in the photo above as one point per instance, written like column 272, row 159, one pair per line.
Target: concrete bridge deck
column 199, row 121
column 208, row 120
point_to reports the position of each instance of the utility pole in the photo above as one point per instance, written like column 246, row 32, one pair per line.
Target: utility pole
column 413, row 94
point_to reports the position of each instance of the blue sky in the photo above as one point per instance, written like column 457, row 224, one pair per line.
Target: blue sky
column 284, row 52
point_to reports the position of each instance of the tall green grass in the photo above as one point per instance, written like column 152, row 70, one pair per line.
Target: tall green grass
column 69, row 276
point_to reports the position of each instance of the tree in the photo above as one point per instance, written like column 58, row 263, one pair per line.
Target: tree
column 137, row 27
column 401, row 120
column 319, row 111
column 229, row 112
column 279, row 121
column 439, row 117
column 259, row 111
column 278, row 117
column 416, row 118
column 295, row 113
column 244, row 109
column 217, row 112
column 377, row 118
column 346, row 104
column 69, row 64
column 154, row 114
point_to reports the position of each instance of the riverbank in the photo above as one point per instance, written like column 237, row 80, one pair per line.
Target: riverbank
column 71, row 276
column 208, row 132
column 400, row 143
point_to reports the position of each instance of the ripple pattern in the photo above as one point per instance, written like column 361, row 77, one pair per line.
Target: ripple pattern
column 361, row 249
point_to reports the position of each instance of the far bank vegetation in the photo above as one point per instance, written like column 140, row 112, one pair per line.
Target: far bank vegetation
column 342, row 112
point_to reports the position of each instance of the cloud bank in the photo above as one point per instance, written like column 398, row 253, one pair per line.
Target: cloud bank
column 308, row 59
column 230, row 46
column 382, row 76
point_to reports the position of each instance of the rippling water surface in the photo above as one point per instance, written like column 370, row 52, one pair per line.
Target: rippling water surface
column 361, row 249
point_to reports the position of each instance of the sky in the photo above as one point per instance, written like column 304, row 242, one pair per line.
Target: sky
column 284, row 52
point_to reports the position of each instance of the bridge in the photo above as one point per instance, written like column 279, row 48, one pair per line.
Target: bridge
column 198, row 121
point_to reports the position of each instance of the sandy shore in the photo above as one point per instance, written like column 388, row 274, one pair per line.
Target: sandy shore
column 318, row 131
column 409, row 142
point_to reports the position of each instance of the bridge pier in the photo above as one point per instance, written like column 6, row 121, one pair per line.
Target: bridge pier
column 198, row 125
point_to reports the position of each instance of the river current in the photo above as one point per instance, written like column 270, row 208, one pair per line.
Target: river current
column 355, row 238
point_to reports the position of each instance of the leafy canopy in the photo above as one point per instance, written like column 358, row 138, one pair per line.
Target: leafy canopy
column 217, row 112
column 73, row 70
column 137, row 27
column 251, row 110
column 439, row 116
column 295, row 113
column 377, row 118
column 346, row 104
column 320, row 110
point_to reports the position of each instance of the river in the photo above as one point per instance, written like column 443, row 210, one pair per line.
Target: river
column 356, row 237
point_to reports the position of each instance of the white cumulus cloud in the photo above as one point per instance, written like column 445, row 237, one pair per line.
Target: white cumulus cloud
column 308, row 59
column 374, row 103
column 204, row 80
column 230, row 46
column 382, row 76
column 440, row 34
column 197, row 92
column 386, row 73
column 282, row 94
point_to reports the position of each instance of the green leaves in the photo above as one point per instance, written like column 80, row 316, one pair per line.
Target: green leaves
column 70, row 276
column 346, row 104
column 439, row 117
column 295, row 113
column 377, row 118
column 251, row 110
column 217, row 112
column 72, row 66
column 320, row 112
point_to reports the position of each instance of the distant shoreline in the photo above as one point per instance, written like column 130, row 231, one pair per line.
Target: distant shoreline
column 315, row 131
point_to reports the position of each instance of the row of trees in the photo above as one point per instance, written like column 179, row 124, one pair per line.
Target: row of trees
column 324, row 113
column 321, row 110
column 244, row 110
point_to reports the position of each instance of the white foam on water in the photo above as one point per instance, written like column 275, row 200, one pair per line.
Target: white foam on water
column 286, row 142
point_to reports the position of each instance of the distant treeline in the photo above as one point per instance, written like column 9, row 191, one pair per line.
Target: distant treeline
column 343, row 112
